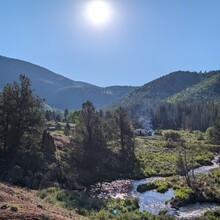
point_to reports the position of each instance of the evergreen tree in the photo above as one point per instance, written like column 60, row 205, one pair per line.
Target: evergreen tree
column 216, row 129
column 21, row 117
column 66, row 112
column 89, row 140
column 125, row 136
column 67, row 129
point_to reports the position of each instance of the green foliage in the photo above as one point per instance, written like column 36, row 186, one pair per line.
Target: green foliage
column 210, row 134
column 21, row 119
column 216, row 131
column 88, row 136
column 156, row 159
column 206, row 89
column 213, row 215
column 162, row 189
column 67, row 129
column 4, row 206
column 125, row 135
column 171, row 135
column 183, row 193
column 182, row 115
column 58, row 126
column 14, row 208
column 147, row 186
column 66, row 112
column 95, row 208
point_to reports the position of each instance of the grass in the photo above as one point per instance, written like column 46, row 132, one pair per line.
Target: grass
column 157, row 157
column 95, row 208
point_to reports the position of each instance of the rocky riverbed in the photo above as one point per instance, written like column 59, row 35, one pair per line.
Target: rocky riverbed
column 116, row 189
column 153, row 201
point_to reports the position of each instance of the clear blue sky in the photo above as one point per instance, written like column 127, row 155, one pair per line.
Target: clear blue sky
column 146, row 39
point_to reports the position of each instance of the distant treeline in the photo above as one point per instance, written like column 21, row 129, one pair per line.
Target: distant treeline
column 193, row 116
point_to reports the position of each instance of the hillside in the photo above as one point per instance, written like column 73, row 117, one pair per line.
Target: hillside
column 159, row 89
column 207, row 89
column 170, row 84
column 58, row 91
column 174, row 87
column 17, row 203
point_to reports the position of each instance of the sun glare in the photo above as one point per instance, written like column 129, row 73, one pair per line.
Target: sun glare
column 98, row 12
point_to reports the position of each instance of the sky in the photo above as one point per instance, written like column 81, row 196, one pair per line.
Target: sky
column 143, row 40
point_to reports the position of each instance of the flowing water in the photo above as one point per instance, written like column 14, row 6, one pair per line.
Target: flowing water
column 153, row 201
column 150, row 201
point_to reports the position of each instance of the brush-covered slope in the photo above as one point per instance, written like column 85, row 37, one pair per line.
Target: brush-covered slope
column 17, row 203
column 58, row 91
column 207, row 89
column 160, row 89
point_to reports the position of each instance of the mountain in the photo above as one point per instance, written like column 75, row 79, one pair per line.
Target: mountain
column 207, row 89
column 59, row 91
column 160, row 89
column 175, row 87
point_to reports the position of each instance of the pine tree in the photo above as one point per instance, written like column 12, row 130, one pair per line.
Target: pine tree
column 21, row 118
column 125, row 136
column 89, row 139
column 217, row 130
column 66, row 112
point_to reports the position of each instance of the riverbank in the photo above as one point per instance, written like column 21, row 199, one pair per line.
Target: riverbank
column 153, row 201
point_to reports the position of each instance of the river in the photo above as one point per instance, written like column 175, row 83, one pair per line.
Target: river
column 153, row 201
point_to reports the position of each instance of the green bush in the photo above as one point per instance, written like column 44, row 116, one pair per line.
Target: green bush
column 162, row 189
column 183, row 193
column 14, row 208
column 145, row 187
column 171, row 135
column 4, row 206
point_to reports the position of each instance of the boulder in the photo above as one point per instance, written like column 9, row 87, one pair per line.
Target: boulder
column 48, row 142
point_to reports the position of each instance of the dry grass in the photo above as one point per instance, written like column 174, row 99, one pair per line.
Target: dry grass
column 29, row 206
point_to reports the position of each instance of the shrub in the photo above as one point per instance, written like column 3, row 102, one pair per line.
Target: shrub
column 171, row 135
column 14, row 208
column 4, row 206
column 184, row 193
column 162, row 189
column 145, row 187
column 58, row 126
column 44, row 217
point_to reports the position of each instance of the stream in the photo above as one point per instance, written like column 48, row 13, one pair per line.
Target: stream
column 153, row 201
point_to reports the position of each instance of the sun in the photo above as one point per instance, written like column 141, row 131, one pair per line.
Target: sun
column 98, row 12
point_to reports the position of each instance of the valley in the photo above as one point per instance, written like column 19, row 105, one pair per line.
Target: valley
column 148, row 152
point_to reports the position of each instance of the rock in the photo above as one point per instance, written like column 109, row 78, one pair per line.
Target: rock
column 48, row 142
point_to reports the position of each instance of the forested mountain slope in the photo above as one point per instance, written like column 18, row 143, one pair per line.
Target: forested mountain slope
column 207, row 89
column 170, row 84
column 174, row 87
column 158, row 90
column 58, row 91
column 166, row 100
